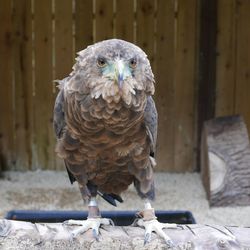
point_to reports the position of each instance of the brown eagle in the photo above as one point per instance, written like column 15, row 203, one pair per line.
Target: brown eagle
column 105, row 121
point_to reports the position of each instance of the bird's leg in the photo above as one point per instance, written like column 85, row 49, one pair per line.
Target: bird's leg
column 94, row 220
column 150, row 223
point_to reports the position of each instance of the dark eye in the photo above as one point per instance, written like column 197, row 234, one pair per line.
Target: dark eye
column 101, row 62
column 133, row 63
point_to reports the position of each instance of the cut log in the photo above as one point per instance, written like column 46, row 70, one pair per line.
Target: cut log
column 26, row 235
column 225, row 161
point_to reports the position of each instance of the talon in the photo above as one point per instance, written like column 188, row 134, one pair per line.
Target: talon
column 111, row 223
column 95, row 234
column 169, row 243
column 147, row 238
column 66, row 222
column 139, row 222
column 180, row 226
column 135, row 223
column 73, row 235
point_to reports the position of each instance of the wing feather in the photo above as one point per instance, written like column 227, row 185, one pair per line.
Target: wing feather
column 59, row 119
column 60, row 124
column 151, row 121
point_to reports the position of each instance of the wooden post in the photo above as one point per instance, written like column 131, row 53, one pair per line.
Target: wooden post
column 225, row 165
column 26, row 235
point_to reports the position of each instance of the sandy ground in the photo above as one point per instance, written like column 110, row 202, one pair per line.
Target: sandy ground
column 52, row 190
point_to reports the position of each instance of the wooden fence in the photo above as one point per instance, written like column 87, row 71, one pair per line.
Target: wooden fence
column 38, row 42
column 233, row 59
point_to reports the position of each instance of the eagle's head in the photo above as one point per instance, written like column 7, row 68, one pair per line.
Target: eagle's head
column 114, row 70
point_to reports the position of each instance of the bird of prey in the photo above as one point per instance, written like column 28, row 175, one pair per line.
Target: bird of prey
column 105, row 121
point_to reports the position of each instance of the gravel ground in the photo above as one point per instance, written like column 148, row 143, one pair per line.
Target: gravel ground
column 52, row 190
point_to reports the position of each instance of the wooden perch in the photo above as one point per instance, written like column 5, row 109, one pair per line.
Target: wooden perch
column 225, row 161
column 26, row 235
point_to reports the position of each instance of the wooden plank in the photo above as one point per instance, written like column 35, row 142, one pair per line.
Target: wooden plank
column 6, row 93
column 184, row 99
column 225, row 60
column 124, row 16
column 243, row 61
column 63, row 49
column 83, row 24
column 104, row 20
column 165, row 84
column 44, row 98
column 63, row 38
column 145, row 27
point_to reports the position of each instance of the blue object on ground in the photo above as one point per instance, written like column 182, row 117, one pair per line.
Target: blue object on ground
column 120, row 218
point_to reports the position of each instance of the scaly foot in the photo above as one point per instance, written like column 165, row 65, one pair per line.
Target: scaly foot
column 155, row 226
column 90, row 223
column 149, row 221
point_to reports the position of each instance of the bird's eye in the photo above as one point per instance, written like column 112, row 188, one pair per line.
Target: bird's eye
column 101, row 62
column 133, row 63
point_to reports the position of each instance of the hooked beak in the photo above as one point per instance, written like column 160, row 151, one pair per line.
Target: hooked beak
column 119, row 73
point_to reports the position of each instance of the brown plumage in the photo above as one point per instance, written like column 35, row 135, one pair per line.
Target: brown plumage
column 106, row 122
